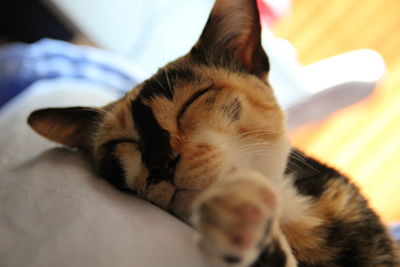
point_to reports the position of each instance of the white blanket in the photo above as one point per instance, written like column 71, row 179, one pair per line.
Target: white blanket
column 54, row 211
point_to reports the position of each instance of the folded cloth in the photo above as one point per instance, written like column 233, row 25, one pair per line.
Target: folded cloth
column 22, row 64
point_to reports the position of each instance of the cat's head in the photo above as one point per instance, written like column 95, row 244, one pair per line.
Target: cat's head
column 199, row 119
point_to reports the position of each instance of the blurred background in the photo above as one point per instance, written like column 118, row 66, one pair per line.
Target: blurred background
column 360, row 137
column 362, row 140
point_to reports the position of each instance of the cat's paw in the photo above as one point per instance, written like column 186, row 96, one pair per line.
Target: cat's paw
column 235, row 220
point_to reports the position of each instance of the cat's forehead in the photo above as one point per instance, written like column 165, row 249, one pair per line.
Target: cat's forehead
column 165, row 82
column 183, row 78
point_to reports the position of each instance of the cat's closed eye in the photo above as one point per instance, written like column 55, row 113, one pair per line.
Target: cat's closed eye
column 192, row 99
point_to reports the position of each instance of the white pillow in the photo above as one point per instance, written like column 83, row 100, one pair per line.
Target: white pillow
column 54, row 211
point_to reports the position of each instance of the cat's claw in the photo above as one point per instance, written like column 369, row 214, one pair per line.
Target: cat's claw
column 234, row 222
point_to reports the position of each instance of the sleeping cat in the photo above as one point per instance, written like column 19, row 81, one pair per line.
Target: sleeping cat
column 205, row 140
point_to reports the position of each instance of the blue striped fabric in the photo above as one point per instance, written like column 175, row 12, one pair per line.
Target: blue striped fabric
column 23, row 64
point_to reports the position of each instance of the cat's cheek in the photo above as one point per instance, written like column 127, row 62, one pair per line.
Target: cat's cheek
column 199, row 168
column 135, row 172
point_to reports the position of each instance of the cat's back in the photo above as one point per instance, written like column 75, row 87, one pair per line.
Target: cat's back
column 337, row 227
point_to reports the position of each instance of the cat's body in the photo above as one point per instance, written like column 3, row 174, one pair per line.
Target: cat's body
column 205, row 139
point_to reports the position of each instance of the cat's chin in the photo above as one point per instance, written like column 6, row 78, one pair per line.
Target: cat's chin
column 270, row 163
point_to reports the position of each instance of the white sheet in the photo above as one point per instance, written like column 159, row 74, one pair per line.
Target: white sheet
column 54, row 211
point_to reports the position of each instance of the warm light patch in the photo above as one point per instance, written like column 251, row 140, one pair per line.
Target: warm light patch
column 362, row 140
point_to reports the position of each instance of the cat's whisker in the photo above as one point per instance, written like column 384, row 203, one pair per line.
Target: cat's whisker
column 159, row 83
column 245, row 136
column 255, row 152
column 291, row 169
column 255, row 131
column 300, row 159
column 169, row 84
column 258, row 130
column 257, row 145
column 295, row 164
column 246, row 150
column 294, row 156
column 238, row 137
column 248, row 134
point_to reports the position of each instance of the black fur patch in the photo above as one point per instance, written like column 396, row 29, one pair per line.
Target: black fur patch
column 154, row 144
column 164, row 81
column 341, row 235
column 356, row 240
column 272, row 256
column 358, row 243
column 110, row 167
column 310, row 176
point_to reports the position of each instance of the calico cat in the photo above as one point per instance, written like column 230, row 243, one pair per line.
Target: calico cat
column 205, row 140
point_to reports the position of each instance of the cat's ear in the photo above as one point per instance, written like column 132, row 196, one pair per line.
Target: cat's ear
column 232, row 35
column 71, row 126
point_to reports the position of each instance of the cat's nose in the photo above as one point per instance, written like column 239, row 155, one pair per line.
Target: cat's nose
column 173, row 162
column 162, row 171
column 158, row 174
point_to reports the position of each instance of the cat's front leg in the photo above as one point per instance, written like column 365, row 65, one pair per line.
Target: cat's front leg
column 237, row 221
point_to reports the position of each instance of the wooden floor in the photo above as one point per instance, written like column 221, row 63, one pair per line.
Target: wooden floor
column 362, row 140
